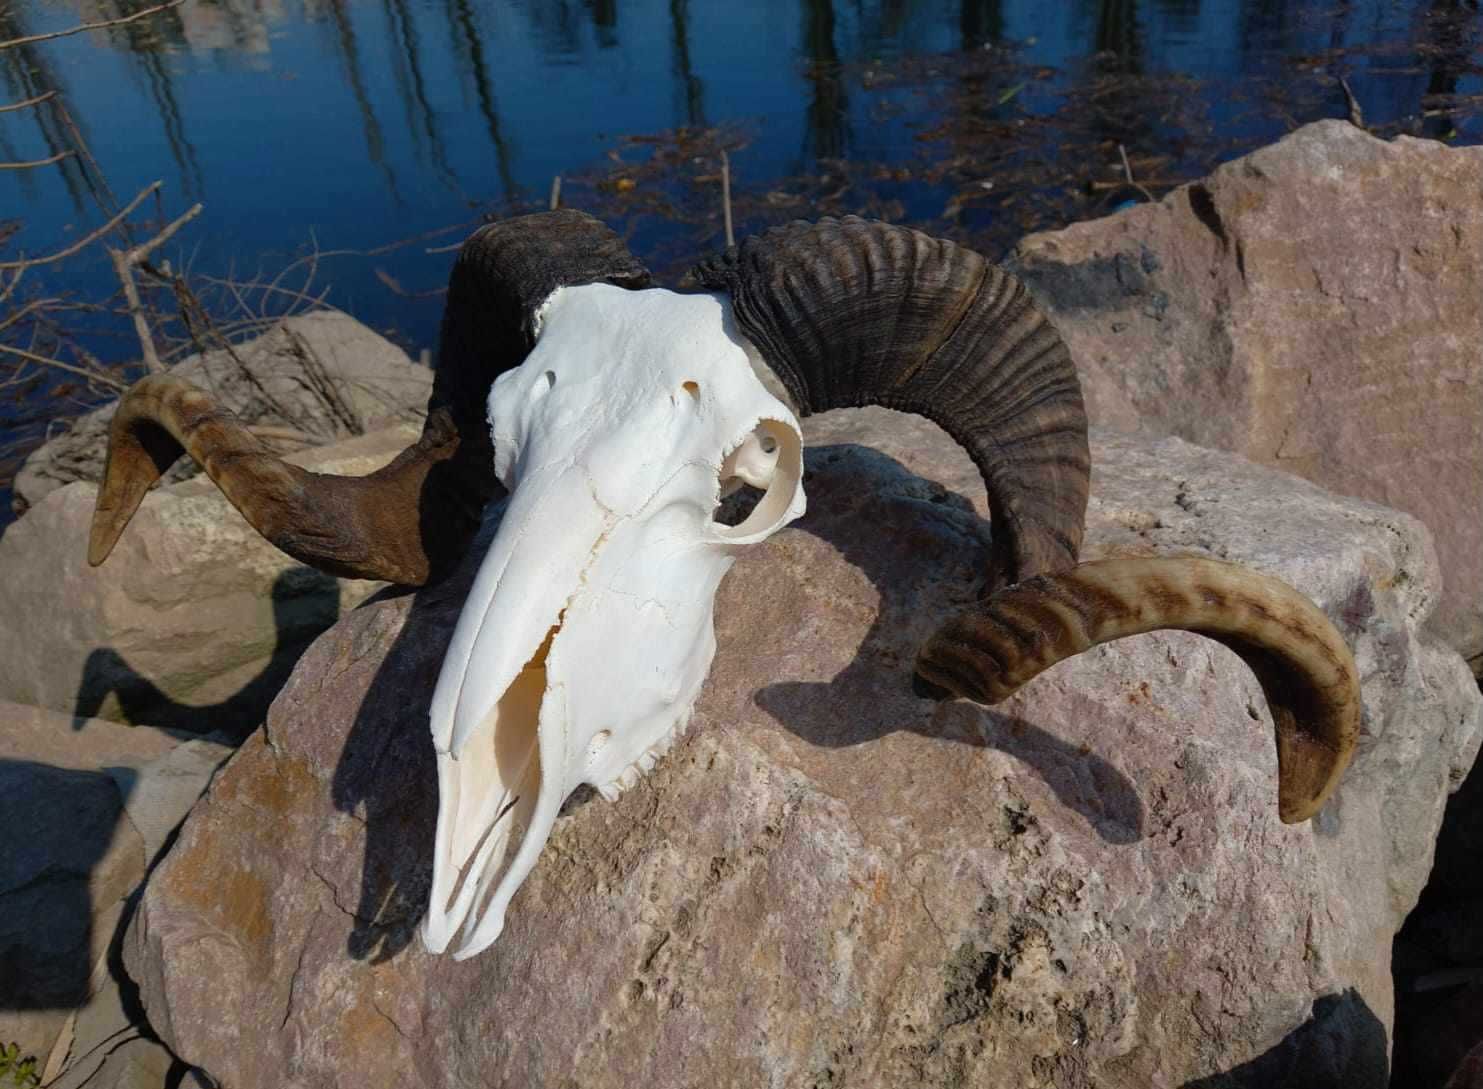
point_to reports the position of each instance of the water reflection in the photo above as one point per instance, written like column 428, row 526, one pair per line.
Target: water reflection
column 828, row 105
column 357, row 122
column 688, row 85
column 469, row 47
column 348, row 55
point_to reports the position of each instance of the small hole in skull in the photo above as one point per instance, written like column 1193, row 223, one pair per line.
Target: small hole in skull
column 550, row 377
column 693, row 389
column 735, row 508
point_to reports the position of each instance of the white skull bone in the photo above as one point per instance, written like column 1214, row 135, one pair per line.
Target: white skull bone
column 588, row 632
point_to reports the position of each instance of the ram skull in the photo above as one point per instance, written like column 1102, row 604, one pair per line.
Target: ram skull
column 588, row 632
column 617, row 415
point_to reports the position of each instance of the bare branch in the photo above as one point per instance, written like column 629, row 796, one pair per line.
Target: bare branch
column 83, row 27
column 35, row 304
column 144, row 249
column 1356, row 115
column 726, row 197
column 91, row 375
column 14, row 283
column 81, row 242
column 58, row 157
column 123, row 267
column 24, row 103
column 123, row 264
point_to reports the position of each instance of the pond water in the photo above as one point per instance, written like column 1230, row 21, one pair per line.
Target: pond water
column 373, row 131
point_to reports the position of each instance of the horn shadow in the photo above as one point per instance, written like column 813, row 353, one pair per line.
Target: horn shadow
column 878, row 693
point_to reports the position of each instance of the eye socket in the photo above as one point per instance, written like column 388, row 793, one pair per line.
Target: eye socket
column 745, row 519
column 693, row 389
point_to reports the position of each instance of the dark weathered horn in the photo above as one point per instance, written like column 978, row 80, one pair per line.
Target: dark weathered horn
column 1302, row 663
column 848, row 313
column 410, row 522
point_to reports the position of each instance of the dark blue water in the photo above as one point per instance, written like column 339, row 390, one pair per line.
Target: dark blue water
column 350, row 125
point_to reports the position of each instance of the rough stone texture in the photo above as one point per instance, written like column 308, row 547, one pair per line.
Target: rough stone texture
column 134, row 1063
column 1316, row 306
column 354, row 381
column 193, row 623
column 82, row 811
column 831, row 881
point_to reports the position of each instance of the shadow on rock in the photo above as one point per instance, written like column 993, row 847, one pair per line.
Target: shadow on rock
column 63, row 842
column 1341, row 1045
column 925, row 556
column 305, row 603
column 387, row 772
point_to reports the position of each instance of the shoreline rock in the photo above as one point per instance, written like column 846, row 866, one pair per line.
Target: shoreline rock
column 1315, row 306
column 829, row 877
column 322, row 374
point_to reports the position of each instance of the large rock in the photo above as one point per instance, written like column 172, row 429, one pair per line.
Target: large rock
column 194, row 622
column 1316, row 306
column 322, row 374
column 84, row 808
column 832, row 881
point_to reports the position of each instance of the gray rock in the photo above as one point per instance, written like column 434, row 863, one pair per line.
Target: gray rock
column 193, row 623
column 83, row 808
column 67, row 863
column 1316, row 306
column 323, row 374
column 159, row 795
column 832, row 881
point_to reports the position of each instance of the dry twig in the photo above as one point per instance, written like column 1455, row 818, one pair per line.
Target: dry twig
column 726, row 197
column 84, row 27
column 27, row 262
column 124, row 262
column 24, row 103
column 58, row 157
column 91, row 375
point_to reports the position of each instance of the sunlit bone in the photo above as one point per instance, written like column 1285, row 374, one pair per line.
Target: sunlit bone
column 584, row 642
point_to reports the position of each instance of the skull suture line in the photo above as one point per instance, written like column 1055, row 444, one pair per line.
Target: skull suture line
column 588, row 632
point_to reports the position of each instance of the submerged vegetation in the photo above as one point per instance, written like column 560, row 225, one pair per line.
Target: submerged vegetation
column 980, row 120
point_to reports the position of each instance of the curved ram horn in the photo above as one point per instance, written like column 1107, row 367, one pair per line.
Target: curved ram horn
column 410, row 522
column 1303, row 665
column 848, row 313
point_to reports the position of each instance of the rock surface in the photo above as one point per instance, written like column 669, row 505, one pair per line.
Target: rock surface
column 193, row 623
column 831, row 881
column 322, row 373
column 1316, row 306
column 83, row 809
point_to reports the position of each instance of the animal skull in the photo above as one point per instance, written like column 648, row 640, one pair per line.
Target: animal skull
column 583, row 645
column 618, row 416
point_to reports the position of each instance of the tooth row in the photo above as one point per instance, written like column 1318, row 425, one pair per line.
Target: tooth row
column 646, row 762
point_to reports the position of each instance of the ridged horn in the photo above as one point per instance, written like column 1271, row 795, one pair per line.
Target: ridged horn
column 1302, row 663
column 848, row 313
column 412, row 521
